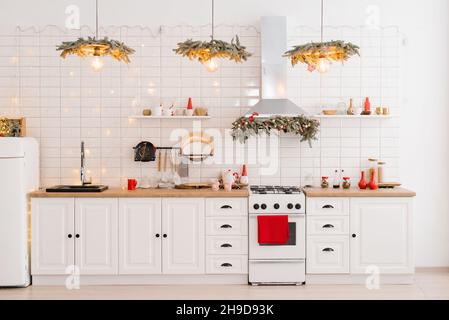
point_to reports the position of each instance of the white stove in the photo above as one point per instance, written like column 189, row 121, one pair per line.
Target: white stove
column 277, row 263
column 276, row 200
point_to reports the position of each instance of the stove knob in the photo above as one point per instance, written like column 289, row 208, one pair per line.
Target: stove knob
column 290, row 205
column 263, row 206
column 276, row 206
column 256, row 207
column 297, row 206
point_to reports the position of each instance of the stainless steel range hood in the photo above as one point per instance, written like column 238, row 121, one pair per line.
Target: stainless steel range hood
column 274, row 100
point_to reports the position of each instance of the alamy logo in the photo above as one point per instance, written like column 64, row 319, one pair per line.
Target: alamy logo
column 372, row 282
column 372, row 20
column 73, row 280
column 72, row 21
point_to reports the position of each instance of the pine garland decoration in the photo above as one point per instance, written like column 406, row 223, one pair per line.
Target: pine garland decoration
column 311, row 53
column 206, row 50
column 9, row 127
column 92, row 46
column 245, row 127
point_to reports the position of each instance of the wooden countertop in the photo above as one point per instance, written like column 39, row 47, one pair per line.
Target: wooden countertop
column 356, row 192
column 145, row 193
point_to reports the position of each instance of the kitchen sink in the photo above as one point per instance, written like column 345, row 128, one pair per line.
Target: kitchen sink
column 77, row 188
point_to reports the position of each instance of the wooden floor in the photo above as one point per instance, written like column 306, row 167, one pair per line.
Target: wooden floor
column 428, row 285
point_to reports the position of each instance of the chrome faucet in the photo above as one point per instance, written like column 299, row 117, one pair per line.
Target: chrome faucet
column 83, row 169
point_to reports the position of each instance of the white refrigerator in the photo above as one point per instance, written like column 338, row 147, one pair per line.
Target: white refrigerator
column 19, row 174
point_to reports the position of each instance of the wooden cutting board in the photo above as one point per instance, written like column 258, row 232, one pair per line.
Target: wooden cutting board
column 193, row 186
column 389, row 185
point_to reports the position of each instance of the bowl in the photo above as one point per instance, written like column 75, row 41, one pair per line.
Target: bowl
column 330, row 112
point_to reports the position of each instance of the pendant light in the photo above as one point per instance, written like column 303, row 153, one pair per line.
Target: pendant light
column 319, row 56
column 210, row 52
column 97, row 48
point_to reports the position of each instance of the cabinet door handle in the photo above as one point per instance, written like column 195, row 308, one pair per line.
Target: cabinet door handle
column 226, row 265
column 226, row 206
column 226, row 245
column 328, row 226
column 226, row 226
column 354, row 235
column 69, row 236
column 157, row 235
column 77, row 235
column 328, row 250
column 165, row 235
column 328, row 206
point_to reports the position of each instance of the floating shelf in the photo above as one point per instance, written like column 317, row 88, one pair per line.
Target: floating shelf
column 171, row 117
column 358, row 116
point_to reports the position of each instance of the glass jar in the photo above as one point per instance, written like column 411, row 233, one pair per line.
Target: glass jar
column 346, row 182
column 373, row 168
column 381, row 171
column 324, row 182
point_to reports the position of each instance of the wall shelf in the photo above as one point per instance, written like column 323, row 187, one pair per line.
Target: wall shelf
column 171, row 117
column 358, row 116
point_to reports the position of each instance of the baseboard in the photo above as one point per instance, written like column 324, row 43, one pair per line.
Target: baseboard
column 86, row 280
column 335, row 279
column 432, row 269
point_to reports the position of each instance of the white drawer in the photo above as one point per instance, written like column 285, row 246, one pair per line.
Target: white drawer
column 328, row 206
column 277, row 271
column 226, row 207
column 232, row 226
column 328, row 225
column 227, row 245
column 327, row 254
column 227, row 264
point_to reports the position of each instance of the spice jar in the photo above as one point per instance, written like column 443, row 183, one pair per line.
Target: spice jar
column 346, row 182
column 324, row 182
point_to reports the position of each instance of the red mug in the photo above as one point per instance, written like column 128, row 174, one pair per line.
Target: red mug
column 132, row 184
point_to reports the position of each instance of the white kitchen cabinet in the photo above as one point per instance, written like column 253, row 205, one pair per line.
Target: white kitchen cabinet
column 327, row 254
column 183, row 242
column 140, row 234
column 52, row 235
column 328, row 206
column 381, row 235
column 96, row 237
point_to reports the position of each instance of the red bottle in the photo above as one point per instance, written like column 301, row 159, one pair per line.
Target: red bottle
column 367, row 105
column 373, row 184
column 362, row 183
column 189, row 104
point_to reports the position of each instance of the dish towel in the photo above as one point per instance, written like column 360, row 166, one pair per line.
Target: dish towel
column 272, row 229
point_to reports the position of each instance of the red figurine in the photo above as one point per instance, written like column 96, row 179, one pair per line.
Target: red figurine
column 362, row 183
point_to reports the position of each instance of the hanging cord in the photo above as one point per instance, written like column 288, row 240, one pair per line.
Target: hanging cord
column 322, row 20
column 213, row 18
column 96, row 19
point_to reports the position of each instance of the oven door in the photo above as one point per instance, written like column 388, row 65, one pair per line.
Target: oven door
column 294, row 249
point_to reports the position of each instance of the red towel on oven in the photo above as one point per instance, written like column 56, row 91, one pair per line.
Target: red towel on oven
column 272, row 229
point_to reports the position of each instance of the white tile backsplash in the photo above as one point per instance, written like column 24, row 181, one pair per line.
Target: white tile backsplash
column 65, row 102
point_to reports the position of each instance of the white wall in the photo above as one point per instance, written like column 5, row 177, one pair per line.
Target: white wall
column 424, row 130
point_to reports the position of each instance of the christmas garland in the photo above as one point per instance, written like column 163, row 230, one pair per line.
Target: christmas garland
column 92, row 46
column 245, row 127
column 9, row 127
column 312, row 52
column 205, row 50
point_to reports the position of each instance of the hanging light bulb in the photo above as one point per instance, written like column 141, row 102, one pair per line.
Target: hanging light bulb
column 323, row 65
column 97, row 64
column 212, row 65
